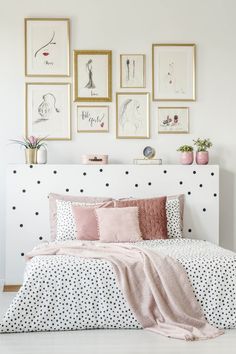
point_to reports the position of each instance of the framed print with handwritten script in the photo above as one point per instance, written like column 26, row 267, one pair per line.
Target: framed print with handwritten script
column 92, row 75
column 92, row 119
column 173, row 72
column 47, row 47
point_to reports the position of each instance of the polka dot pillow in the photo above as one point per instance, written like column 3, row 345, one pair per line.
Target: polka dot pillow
column 174, row 214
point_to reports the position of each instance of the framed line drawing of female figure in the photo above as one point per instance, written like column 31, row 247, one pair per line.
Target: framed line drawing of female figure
column 132, row 115
column 47, row 47
column 132, row 70
column 92, row 75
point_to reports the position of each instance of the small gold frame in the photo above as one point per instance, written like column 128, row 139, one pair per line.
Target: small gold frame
column 108, row 98
column 68, row 47
column 193, row 98
column 147, row 136
column 144, row 70
column 93, row 131
column 69, row 106
column 174, row 132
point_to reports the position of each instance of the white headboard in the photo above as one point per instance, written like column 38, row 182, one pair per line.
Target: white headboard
column 29, row 185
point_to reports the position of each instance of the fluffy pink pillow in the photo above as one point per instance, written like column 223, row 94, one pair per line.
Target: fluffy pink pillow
column 152, row 216
column 118, row 224
column 53, row 197
column 86, row 221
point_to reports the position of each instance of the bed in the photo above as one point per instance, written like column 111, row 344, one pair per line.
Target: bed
column 68, row 293
column 65, row 292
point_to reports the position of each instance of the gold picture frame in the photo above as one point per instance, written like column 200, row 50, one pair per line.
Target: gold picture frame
column 130, row 73
column 173, row 120
column 98, row 122
column 47, row 64
column 86, row 88
column 43, row 105
column 170, row 79
column 132, row 115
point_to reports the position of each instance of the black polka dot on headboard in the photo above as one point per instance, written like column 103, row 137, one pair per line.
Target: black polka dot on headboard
column 215, row 194
column 38, row 182
column 194, row 172
column 212, row 173
column 23, row 190
column 31, row 166
column 204, row 209
column 67, row 190
column 21, row 225
column 136, row 185
column 189, row 193
column 36, row 213
column 84, row 173
column 14, row 208
column 189, row 230
column 40, row 238
column 107, row 184
column 22, row 254
column 14, row 171
column 164, row 171
column 200, row 185
column 101, row 170
column 81, row 191
column 126, row 172
column 149, row 183
column 181, row 182
column 55, row 172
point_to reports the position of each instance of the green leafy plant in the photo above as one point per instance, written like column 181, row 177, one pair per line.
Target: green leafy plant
column 185, row 148
column 31, row 143
column 202, row 144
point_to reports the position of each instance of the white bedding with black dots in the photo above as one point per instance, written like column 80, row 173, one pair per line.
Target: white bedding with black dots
column 68, row 293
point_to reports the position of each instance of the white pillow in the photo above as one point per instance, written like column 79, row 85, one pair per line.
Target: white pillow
column 174, row 217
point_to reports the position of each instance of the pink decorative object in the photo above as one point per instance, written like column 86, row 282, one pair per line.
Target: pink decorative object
column 118, row 224
column 152, row 216
column 186, row 158
column 202, row 157
column 86, row 221
column 94, row 159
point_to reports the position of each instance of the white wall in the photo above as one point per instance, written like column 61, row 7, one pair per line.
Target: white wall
column 131, row 26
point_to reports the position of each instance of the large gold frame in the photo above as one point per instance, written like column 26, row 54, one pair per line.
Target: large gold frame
column 194, row 71
column 92, row 131
column 69, row 107
column 148, row 115
column 144, row 70
column 68, row 47
column 93, row 99
column 173, row 132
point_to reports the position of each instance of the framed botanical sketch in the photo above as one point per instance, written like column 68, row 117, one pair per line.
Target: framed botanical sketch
column 92, row 119
column 173, row 120
column 47, row 47
column 173, row 72
column 48, row 110
column 132, row 115
column 132, row 70
column 92, row 75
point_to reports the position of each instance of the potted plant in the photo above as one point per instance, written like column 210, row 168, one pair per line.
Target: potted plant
column 186, row 157
column 202, row 155
column 32, row 146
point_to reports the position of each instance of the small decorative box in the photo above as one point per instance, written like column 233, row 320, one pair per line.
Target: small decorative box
column 94, row 159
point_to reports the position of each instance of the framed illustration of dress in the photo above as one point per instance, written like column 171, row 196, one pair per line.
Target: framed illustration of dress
column 47, row 47
column 173, row 72
column 93, row 75
column 132, row 115
column 47, row 108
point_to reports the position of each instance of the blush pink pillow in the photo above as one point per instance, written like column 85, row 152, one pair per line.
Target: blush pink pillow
column 118, row 224
column 86, row 221
column 152, row 216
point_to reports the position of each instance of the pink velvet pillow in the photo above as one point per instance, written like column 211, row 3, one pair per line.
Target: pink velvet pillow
column 86, row 221
column 118, row 224
column 152, row 216
column 53, row 197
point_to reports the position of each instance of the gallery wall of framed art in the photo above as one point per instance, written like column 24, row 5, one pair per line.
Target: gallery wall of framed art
column 48, row 104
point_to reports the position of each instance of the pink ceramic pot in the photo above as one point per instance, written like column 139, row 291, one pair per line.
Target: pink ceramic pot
column 202, row 157
column 186, row 158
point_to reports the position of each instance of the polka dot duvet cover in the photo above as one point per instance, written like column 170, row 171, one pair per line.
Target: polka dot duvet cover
column 69, row 293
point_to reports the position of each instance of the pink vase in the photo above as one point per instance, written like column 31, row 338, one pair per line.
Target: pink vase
column 186, row 158
column 202, row 157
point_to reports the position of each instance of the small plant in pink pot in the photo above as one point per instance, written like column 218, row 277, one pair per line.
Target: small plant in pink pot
column 202, row 155
column 186, row 156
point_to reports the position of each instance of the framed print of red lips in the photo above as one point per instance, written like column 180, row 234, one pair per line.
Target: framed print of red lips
column 47, row 47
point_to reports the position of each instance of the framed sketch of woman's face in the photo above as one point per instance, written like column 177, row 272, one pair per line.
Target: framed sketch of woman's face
column 93, row 75
column 132, row 115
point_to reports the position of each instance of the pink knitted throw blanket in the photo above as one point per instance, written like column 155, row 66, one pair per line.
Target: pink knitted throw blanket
column 155, row 286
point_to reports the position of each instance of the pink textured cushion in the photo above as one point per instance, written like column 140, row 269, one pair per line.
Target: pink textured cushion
column 118, row 224
column 86, row 221
column 152, row 216
column 53, row 197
